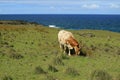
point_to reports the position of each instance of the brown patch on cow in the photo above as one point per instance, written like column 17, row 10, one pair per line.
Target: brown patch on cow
column 72, row 42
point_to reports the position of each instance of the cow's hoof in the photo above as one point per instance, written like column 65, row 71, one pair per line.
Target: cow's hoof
column 69, row 54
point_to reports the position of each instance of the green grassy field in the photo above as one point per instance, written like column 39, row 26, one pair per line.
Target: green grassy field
column 29, row 51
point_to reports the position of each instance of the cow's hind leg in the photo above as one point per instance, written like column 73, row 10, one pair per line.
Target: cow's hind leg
column 64, row 48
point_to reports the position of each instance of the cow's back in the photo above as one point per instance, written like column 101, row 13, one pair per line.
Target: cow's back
column 63, row 36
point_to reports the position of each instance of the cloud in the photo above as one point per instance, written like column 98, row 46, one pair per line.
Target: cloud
column 59, row 6
column 52, row 7
column 112, row 5
column 90, row 6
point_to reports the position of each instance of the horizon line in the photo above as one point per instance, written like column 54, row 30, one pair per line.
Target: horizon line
column 56, row 14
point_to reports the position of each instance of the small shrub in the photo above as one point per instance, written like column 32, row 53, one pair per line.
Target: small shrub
column 100, row 75
column 87, row 35
column 58, row 61
column 11, row 45
column 106, row 44
column 106, row 49
column 118, row 77
column 6, row 78
column 64, row 56
column 93, row 47
column 52, row 68
column 85, row 51
column 118, row 52
column 39, row 70
column 5, row 43
column 2, row 53
column 15, row 56
column 71, row 71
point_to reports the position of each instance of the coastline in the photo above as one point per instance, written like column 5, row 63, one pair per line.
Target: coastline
column 22, row 22
column 73, row 21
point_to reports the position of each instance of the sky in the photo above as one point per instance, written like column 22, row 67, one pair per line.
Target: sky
column 59, row 6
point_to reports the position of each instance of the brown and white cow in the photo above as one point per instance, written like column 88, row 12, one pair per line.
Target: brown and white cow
column 67, row 41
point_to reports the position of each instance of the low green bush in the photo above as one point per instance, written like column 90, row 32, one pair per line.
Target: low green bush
column 52, row 68
column 58, row 61
column 6, row 77
column 63, row 56
column 72, row 71
column 39, row 70
column 118, row 77
column 85, row 51
column 100, row 75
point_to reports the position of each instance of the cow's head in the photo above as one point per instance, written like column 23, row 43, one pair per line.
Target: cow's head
column 77, row 49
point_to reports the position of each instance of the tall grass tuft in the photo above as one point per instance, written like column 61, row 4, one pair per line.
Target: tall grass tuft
column 100, row 75
column 52, row 68
column 72, row 71
column 58, row 61
column 6, row 77
column 39, row 70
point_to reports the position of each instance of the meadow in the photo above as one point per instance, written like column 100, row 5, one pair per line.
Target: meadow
column 29, row 51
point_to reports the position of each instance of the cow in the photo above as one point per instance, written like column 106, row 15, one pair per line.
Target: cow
column 68, row 42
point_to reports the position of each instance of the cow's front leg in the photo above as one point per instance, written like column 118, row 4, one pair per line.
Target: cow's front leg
column 69, row 53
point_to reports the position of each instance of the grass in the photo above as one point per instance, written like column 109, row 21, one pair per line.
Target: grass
column 23, row 47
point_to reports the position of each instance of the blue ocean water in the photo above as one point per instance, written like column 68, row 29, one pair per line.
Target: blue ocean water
column 75, row 22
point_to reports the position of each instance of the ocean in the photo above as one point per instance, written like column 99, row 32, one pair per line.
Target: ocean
column 70, row 21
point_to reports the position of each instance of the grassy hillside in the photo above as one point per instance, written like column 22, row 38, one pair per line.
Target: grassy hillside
column 29, row 51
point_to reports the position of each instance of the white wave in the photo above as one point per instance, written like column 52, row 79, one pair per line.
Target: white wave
column 53, row 26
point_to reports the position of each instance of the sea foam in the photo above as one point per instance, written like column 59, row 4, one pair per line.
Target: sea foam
column 53, row 26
